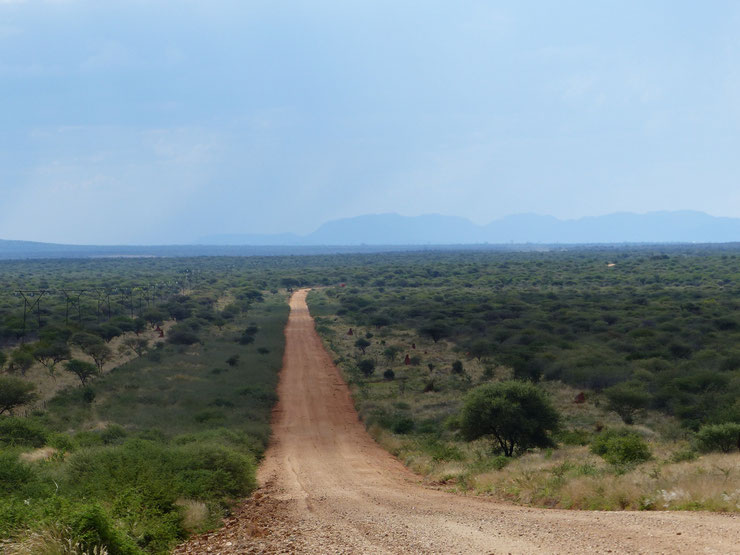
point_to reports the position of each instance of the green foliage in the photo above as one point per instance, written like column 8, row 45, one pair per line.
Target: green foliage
column 517, row 415
column 15, row 392
column 49, row 354
column 723, row 437
column 389, row 374
column 440, row 451
column 21, row 360
column 457, row 367
column 435, row 331
column 14, row 475
column 21, row 432
column 621, row 447
column 627, row 400
column 91, row 527
column 366, row 366
column 362, row 344
column 83, row 370
column 182, row 334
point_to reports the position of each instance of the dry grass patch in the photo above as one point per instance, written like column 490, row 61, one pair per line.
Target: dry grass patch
column 43, row 454
column 195, row 514
column 51, row 540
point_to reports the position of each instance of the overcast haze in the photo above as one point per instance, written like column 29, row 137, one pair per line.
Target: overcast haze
column 161, row 122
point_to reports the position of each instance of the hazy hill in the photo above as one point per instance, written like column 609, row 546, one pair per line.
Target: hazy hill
column 434, row 229
column 386, row 232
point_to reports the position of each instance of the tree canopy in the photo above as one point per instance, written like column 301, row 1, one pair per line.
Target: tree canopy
column 516, row 415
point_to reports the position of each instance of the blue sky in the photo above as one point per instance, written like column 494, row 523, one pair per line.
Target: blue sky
column 163, row 121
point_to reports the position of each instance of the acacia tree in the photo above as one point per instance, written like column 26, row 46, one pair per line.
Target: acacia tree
column 366, row 366
column 627, row 400
column 15, row 392
column 435, row 330
column 391, row 352
column 137, row 345
column 516, row 415
column 362, row 344
column 51, row 354
column 100, row 353
column 20, row 360
column 83, row 370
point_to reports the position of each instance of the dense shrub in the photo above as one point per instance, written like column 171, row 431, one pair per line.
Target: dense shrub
column 516, row 415
column 13, row 473
column 719, row 437
column 621, row 447
column 182, row 336
column 14, row 392
column 366, row 366
column 21, row 432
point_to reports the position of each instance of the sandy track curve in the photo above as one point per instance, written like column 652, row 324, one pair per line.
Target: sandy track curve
column 327, row 487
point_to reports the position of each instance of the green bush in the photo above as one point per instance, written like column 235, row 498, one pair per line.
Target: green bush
column 14, row 475
column 440, row 451
column 15, row 392
column 719, row 437
column 21, row 432
column 621, row 447
column 399, row 422
column 573, row 437
column 91, row 527
column 516, row 415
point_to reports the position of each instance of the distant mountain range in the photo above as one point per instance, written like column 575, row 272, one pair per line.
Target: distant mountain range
column 393, row 229
column 392, row 232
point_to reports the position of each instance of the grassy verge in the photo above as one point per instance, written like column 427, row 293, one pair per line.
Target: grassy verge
column 154, row 450
column 412, row 412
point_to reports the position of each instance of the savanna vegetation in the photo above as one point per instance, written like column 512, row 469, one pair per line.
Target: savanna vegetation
column 117, row 438
column 135, row 394
column 635, row 350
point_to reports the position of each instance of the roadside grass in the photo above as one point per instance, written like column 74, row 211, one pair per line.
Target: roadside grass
column 413, row 416
column 149, row 452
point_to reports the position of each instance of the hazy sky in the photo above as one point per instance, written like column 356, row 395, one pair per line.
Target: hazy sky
column 145, row 121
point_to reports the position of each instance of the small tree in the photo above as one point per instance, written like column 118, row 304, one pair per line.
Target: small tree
column 51, row 354
column 15, row 392
column 362, row 344
column 516, row 415
column 83, row 370
column 380, row 320
column 154, row 316
column 480, row 349
column 100, row 353
column 435, row 330
column 85, row 340
column 457, row 367
column 719, row 437
column 621, row 447
column 20, row 361
column 391, row 352
column 109, row 331
column 233, row 360
column 136, row 345
column 627, row 400
column 3, row 359
column 366, row 366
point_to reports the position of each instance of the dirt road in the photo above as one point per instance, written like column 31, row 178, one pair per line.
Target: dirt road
column 328, row 488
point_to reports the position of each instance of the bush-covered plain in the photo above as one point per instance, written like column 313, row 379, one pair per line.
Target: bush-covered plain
column 142, row 455
column 644, row 338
